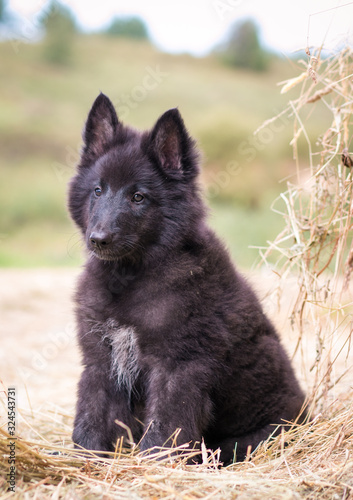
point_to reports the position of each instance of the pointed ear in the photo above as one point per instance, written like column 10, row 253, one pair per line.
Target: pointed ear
column 171, row 144
column 100, row 128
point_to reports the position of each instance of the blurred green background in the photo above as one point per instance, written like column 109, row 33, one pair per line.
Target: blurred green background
column 47, row 88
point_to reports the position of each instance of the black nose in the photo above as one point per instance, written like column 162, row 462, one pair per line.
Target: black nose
column 100, row 239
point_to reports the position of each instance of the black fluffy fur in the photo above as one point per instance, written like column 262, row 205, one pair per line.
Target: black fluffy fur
column 171, row 335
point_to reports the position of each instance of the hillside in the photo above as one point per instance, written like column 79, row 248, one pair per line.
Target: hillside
column 43, row 108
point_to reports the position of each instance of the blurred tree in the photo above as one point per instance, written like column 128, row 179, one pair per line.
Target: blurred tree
column 243, row 48
column 128, row 27
column 5, row 17
column 60, row 28
column 2, row 11
column 8, row 22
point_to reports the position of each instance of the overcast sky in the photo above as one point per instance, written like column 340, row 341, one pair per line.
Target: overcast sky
column 197, row 25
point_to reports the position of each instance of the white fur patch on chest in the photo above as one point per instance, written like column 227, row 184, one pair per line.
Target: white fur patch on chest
column 124, row 361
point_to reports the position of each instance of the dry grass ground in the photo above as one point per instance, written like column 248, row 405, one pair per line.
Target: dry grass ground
column 40, row 358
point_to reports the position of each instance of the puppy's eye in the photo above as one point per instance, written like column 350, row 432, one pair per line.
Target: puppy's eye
column 98, row 191
column 137, row 198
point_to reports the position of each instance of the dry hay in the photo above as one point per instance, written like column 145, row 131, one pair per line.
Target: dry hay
column 311, row 461
column 316, row 245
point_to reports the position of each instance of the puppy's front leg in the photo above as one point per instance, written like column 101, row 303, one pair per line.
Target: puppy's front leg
column 176, row 399
column 100, row 403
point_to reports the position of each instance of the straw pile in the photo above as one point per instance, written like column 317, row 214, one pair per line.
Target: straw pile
column 316, row 243
column 311, row 461
column 317, row 462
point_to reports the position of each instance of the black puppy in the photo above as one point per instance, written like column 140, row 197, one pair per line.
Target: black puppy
column 171, row 335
